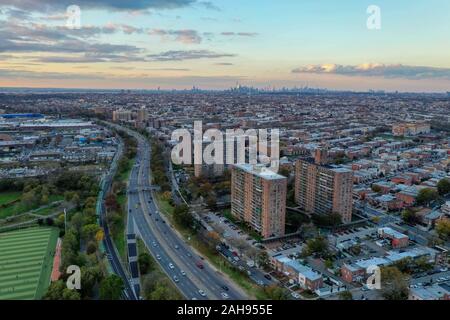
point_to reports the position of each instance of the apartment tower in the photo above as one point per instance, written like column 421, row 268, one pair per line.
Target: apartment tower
column 258, row 197
column 323, row 189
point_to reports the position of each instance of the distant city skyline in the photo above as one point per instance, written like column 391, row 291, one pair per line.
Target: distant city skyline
column 178, row 44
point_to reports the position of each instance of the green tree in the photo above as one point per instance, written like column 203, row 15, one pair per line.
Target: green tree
column 183, row 216
column 443, row 186
column 317, row 246
column 145, row 262
column 263, row 259
column 59, row 291
column 111, row 288
column 90, row 276
column 274, row 292
column 376, row 188
column 394, row 284
column 443, row 228
column 426, row 196
column 89, row 231
column 409, row 215
column 345, row 295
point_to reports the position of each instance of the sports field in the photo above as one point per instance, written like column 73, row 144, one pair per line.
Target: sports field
column 26, row 260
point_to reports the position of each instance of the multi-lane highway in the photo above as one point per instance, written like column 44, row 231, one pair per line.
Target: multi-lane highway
column 110, row 249
column 192, row 275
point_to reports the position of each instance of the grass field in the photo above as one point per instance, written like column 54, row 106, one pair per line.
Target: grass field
column 26, row 261
column 7, row 197
column 19, row 207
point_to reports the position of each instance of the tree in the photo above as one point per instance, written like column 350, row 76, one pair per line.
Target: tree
column 443, row 186
column 274, row 292
column 409, row 216
column 111, row 288
column 100, row 235
column 376, row 188
column 213, row 238
column 317, row 246
column 89, row 231
column 90, row 276
column 345, row 295
column 182, row 215
column 145, row 262
column 394, row 284
column 263, row 259
column 426, row 196
column 211, row 201
column 59, row 291
column 163, row 291
column 166, row 196
column 91, row 247
column 443, row 228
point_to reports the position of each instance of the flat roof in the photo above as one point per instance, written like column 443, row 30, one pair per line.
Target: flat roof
column 260, row 171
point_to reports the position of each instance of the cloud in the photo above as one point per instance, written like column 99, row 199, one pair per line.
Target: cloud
column 34, row 37
column 122, row 5
column 90, row 58
column 184, row 36
column 378, row 70
column 18, row 14
column 187, row 55
column 209, row 5
column 240, row 34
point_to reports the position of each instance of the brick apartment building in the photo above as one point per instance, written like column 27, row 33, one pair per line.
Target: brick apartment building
column 323, row 189
column 258, row 197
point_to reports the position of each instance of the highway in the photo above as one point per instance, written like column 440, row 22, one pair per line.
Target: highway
column 175, row 256
column 110, row 249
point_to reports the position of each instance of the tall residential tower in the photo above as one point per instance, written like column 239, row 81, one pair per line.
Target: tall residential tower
column 258, row 197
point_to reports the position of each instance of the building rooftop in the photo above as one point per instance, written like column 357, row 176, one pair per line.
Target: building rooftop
column 260, row 170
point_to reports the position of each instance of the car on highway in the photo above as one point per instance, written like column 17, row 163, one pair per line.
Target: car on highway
column 268, row 277
column 225, row 295
column 177, row 247
column 175, row 278
column 199, row 265
column 158, row 257
column 225, row 288
column 202, row 293
column 154, row 244
column 189, row 255
column 183, row 273
column 171, row 266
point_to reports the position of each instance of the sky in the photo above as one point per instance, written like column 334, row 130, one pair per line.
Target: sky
column 178, row 44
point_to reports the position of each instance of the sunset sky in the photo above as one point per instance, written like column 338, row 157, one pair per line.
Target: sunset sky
column 216, row 44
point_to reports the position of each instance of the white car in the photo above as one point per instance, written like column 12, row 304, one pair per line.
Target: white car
column 158, row 257
column 225, row 295
column 202, row 293
column 183, row 273
column 295, row 295
column 171, row 266
column 175, row 278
